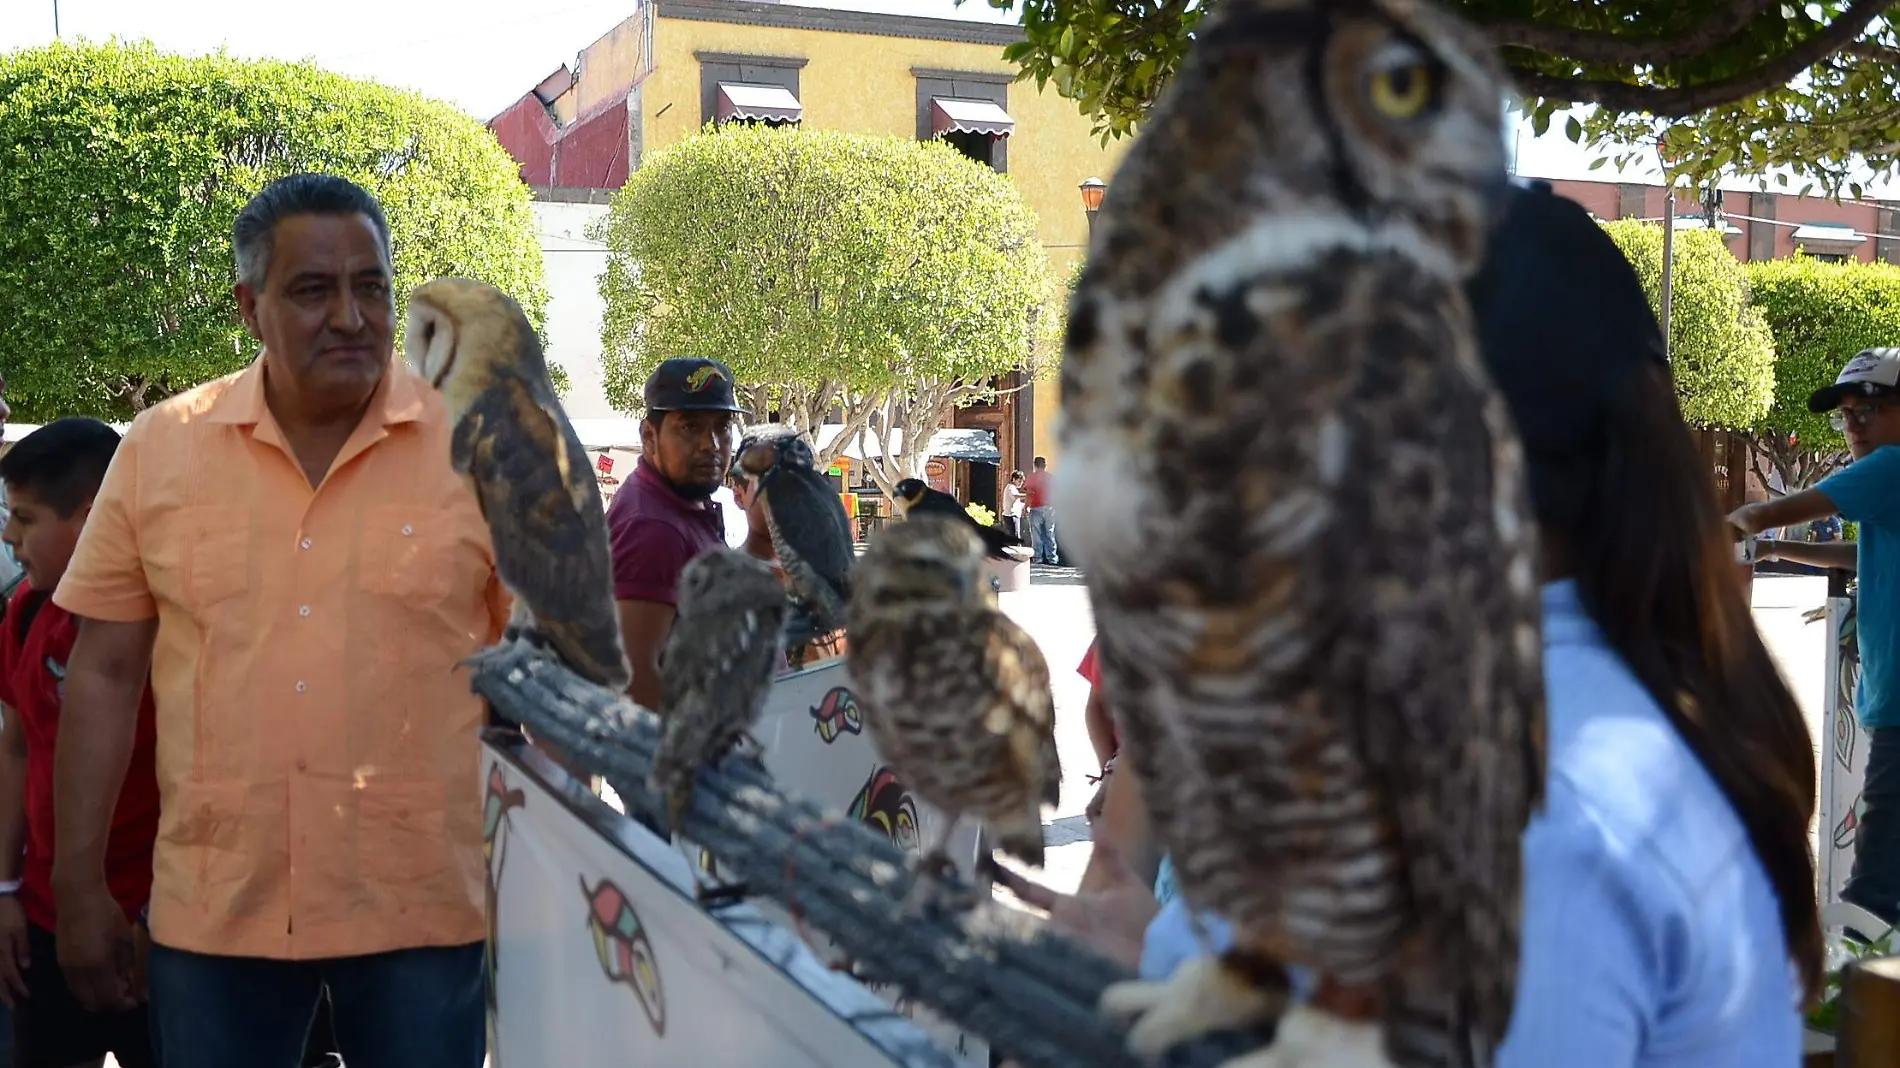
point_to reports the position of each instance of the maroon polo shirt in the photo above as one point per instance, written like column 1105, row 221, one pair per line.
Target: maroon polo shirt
column 654, row 532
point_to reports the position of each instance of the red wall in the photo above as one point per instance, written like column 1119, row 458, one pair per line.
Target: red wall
column 1604, row 200
column 528, row 133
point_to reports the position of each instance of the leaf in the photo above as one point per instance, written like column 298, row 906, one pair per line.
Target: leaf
column 1573, row 129
column 1598, row 162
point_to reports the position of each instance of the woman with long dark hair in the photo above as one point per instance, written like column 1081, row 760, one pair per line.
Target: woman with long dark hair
column 1669, row 907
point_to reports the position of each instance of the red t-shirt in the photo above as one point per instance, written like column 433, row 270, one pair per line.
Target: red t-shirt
column 1036, row 488
column 33, row 683
column 654, row 533
column 1086, row 668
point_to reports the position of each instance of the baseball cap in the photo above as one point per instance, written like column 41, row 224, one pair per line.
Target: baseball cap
column 691, row 384
column 1871, row 373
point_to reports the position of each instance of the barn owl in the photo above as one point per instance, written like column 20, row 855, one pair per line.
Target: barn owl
column 956, row 695
column 1300, row 510
column 527, row 469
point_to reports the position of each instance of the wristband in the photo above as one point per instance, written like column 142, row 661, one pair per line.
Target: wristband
column 9, row 887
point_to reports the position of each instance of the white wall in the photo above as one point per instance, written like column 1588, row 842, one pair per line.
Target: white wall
column 574, row 265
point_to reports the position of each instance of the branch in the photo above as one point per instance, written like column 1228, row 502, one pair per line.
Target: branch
column 1029, row 991
column 1681, row 100
column 1614, row 49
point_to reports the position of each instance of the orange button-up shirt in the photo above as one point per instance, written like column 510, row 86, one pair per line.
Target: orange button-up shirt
column 317, row 746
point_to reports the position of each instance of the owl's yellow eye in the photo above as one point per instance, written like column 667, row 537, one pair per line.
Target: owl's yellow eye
column 1402, row 91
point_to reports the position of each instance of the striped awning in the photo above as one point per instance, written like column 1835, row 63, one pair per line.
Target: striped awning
column 950, row 115
column 758, row 103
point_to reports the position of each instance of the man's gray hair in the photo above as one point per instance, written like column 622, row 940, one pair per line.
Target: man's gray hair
column 253, row 234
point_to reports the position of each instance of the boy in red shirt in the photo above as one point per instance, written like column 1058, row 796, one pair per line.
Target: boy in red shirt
column 51, row 477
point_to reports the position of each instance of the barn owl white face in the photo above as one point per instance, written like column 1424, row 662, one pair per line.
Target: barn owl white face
column 430, row 343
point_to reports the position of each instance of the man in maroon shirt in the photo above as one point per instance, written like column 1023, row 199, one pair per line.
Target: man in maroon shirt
column 51, row 477
column 664, row 515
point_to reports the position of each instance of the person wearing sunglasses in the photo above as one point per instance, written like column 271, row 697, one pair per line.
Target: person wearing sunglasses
column 1864, row 404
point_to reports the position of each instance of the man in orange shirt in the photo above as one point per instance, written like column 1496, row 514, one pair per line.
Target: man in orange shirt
column 289, row 554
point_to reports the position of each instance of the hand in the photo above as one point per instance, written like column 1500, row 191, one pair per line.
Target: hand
column 1768, row 551
column 96, row 950
column 14, row 956
column 1748, row 519
column 1111, row 920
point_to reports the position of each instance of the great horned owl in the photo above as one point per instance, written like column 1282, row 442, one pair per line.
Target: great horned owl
column 1300, row 510
column 527, row 470
column 955, row 693
column 810, row 531
column 721, row 656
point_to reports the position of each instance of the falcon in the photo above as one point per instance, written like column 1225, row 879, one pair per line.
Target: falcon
column 1301, row 511
column 916, row 497
column 811, row 533
column 955, row 695
column 526, row 467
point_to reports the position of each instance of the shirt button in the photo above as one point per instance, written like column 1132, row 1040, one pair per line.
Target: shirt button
column 407, row 530
column 301, row 766
column 304, row 544
column 300, row 686
column 304, row 611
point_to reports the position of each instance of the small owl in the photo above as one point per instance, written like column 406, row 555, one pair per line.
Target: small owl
column 956, row 695
column 1300, row 510
column 810, row 531
column 527, row 470
column 721, row 656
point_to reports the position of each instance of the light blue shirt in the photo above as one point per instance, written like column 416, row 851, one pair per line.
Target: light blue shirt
column 1652, row 937
column 1867, row 491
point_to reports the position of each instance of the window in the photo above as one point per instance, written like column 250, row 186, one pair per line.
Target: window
column 968, row 110
column 739, row 88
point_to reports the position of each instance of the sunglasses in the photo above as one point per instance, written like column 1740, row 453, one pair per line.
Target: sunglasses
column 1861, row 416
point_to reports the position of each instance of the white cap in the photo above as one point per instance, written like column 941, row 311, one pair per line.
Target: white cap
column 1871, row 373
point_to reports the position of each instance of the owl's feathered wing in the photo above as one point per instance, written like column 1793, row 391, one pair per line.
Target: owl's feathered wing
column 1319, row 623
column 812, row 535
column 537, row 492
column 715, row 673
column 959, row 705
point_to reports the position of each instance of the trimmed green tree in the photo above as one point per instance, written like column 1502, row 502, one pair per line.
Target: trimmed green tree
column 1821, row 315
column 1720, row 349
column 877, row 282
column 122, row 169
column 1736, row 85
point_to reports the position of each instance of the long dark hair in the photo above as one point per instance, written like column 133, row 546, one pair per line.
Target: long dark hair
column 1636, row 521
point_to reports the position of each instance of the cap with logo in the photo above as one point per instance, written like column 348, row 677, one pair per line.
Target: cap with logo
column 691, row 384
column 1871, row 373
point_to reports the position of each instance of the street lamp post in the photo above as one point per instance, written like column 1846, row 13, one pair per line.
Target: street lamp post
column 1092, row 192
column 1669, row 240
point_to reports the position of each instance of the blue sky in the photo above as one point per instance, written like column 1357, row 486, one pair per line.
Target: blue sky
column 482, row 54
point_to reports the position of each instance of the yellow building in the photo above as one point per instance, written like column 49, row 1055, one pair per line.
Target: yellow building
column 662, row 74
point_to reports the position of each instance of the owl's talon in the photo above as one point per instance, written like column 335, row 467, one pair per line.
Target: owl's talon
column 1203, row 996
column 1311, row 1038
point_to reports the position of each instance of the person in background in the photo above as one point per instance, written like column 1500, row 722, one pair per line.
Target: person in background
column 1669, row 916
column 51, row 477
column 664, row 516
column 1042, row 518
column 1014, row 506
column 1863, row 403
column 289, row 556
column 11, row 573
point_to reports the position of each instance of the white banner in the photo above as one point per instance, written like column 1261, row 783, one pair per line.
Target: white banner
column 599, row 956
column 1843, row 752
column 816, row 748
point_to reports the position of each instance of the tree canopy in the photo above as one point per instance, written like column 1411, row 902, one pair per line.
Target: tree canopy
column 122, row 169
column 1821, row 315
column 1720, row 349
column 886, row 279
column 1739, row 86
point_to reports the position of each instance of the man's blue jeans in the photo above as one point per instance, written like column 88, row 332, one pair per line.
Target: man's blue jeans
column 1042, row 527
column 1875, row 881
column 412, row 1008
